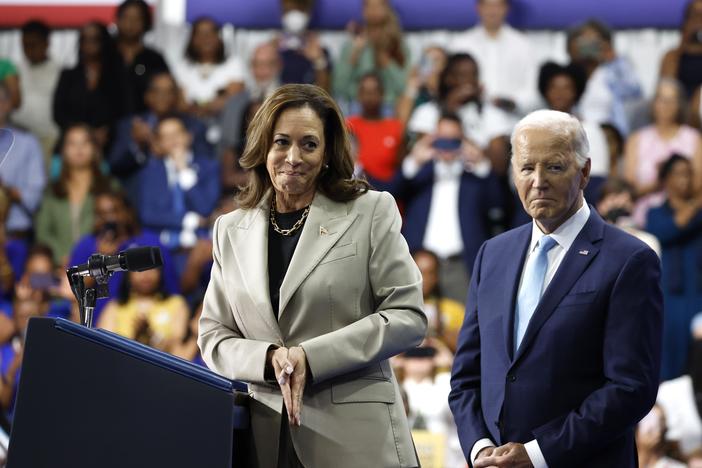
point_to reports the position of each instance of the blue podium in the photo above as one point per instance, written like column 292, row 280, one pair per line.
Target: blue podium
column 91, row 398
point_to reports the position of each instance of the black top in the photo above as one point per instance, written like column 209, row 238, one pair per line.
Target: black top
column 690, row 72
column 280, row 252
column 137, row 74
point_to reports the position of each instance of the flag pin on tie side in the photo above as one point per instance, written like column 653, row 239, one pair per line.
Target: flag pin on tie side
column 584, row 252
column 323, row 231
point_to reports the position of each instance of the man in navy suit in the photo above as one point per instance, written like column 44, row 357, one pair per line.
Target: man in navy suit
column 559, row 353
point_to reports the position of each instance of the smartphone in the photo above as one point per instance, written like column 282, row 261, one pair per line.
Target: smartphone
column 43, row 281
column 447, row 144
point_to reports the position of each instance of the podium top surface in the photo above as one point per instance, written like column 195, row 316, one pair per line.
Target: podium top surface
column 146, row 353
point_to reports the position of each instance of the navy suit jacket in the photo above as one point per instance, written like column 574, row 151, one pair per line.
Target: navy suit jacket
column 587, row 369
column 478, row 199
column 157, row 210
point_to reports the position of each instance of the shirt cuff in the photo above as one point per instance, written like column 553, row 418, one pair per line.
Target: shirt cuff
column 187, row 178
column 477, row 447
column 481, row 169
column 410, row 168
column 535, row 455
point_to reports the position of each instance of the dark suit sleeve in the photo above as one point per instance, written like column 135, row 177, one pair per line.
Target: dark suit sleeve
column 631, row 365
column 661, row 223
column 202, row 197
column 62, row 99
column 464, row 398
column 125, row 156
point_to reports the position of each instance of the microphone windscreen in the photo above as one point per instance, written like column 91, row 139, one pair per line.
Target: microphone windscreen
column 142, row 258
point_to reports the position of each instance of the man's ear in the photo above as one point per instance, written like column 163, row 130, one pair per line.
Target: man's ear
column 585, row 172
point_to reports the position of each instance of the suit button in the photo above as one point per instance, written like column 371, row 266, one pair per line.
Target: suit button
column 511, row 378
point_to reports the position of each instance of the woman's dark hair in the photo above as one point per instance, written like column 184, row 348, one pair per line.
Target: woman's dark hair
column 108, row 50
column 125, row 289
column 451, row 62
column 609, row 127
column 100, row 182
column 192, row 54
column 144, row 11
column 550, row 70
column 668, row 164
column 436, row 291
column 40, row 250
column 132, row 227
column 336, row 181
column 452, row 117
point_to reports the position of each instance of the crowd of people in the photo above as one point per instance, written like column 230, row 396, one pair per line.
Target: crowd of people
column 127, row 148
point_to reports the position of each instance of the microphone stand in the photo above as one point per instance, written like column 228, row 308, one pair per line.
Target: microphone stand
column 87, row 297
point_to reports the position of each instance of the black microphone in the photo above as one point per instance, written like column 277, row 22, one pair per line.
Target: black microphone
column 134, row 259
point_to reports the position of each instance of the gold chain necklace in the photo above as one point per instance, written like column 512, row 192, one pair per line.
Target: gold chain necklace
column 296, row 226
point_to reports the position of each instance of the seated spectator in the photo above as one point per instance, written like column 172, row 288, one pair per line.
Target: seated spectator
column 134, row 141
column 188, row 349
column 652, row 447
column 678, row 226
column 613, row 91
column 426, row 382
column 615, row 203
column 696, row 109
column 207, row 77
column 422, row 83
column 499, row 50
column 22, row 175
column 376, row 46
column 452, row 201
column 615, row 144
column 445, row 316
column 303, row 57
column 681, row 399
column 116, row 229
column 10, row 265
column 144, row 311
column 39, row 78
column 562, row 87
column 66, row 212
column 649, row 147
column 11, row 353
column 684, row 63
column 379, row 139
column 460, row 92
column 178, row 190
column 91, row 92
column 139, row 63
column 44, row 283
column 10, row 78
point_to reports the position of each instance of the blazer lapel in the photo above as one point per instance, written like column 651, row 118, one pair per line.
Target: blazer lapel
column 250, row 237
column 326, row 223
column 572, row 267
column 513, row 273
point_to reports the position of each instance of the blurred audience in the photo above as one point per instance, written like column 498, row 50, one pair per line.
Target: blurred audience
column 651, row 444
column 92, row 91
column 499, row 50
column 139, row 63
column 422, row 82
column 39, row 78
column 303, row 58
column 207, row 77
column 649, row 147
column 613, row 92
column 379, row 138
column 10, row 78
column 678, row 226
column 187, row 348
column 144, row 311
column 452, row 201
column 66, row 211
column 135, row 140
column 684, row 62
column 377, row 46
column 22, row 174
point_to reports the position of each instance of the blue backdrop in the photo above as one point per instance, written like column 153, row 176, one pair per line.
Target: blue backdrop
column 453, row 14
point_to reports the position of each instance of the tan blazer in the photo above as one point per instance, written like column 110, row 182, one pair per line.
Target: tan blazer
column 351, row 298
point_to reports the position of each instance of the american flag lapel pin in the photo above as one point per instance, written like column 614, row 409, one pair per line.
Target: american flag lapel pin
column 323, row 231
column 584, row 252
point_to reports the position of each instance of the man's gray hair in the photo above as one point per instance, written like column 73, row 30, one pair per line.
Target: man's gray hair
column 562, row 126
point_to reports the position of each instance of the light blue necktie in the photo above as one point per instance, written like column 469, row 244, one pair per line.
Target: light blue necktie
column 532, row 284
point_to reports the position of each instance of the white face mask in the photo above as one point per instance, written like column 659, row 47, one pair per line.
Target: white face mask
column 295, row 21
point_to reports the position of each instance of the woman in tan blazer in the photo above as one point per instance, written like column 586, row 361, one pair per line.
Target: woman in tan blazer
column 313, row 289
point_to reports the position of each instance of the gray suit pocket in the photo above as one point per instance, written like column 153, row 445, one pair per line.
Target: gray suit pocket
column 364, row 391
column 339, row 253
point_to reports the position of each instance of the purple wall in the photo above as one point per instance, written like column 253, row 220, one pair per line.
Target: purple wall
column 453, row 14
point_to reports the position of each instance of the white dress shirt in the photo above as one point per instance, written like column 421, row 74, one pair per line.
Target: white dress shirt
column 564, row 236
column 507, row 64
column 443, row 232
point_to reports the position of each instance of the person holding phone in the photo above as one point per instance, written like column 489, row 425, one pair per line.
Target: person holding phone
column 453, row 201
